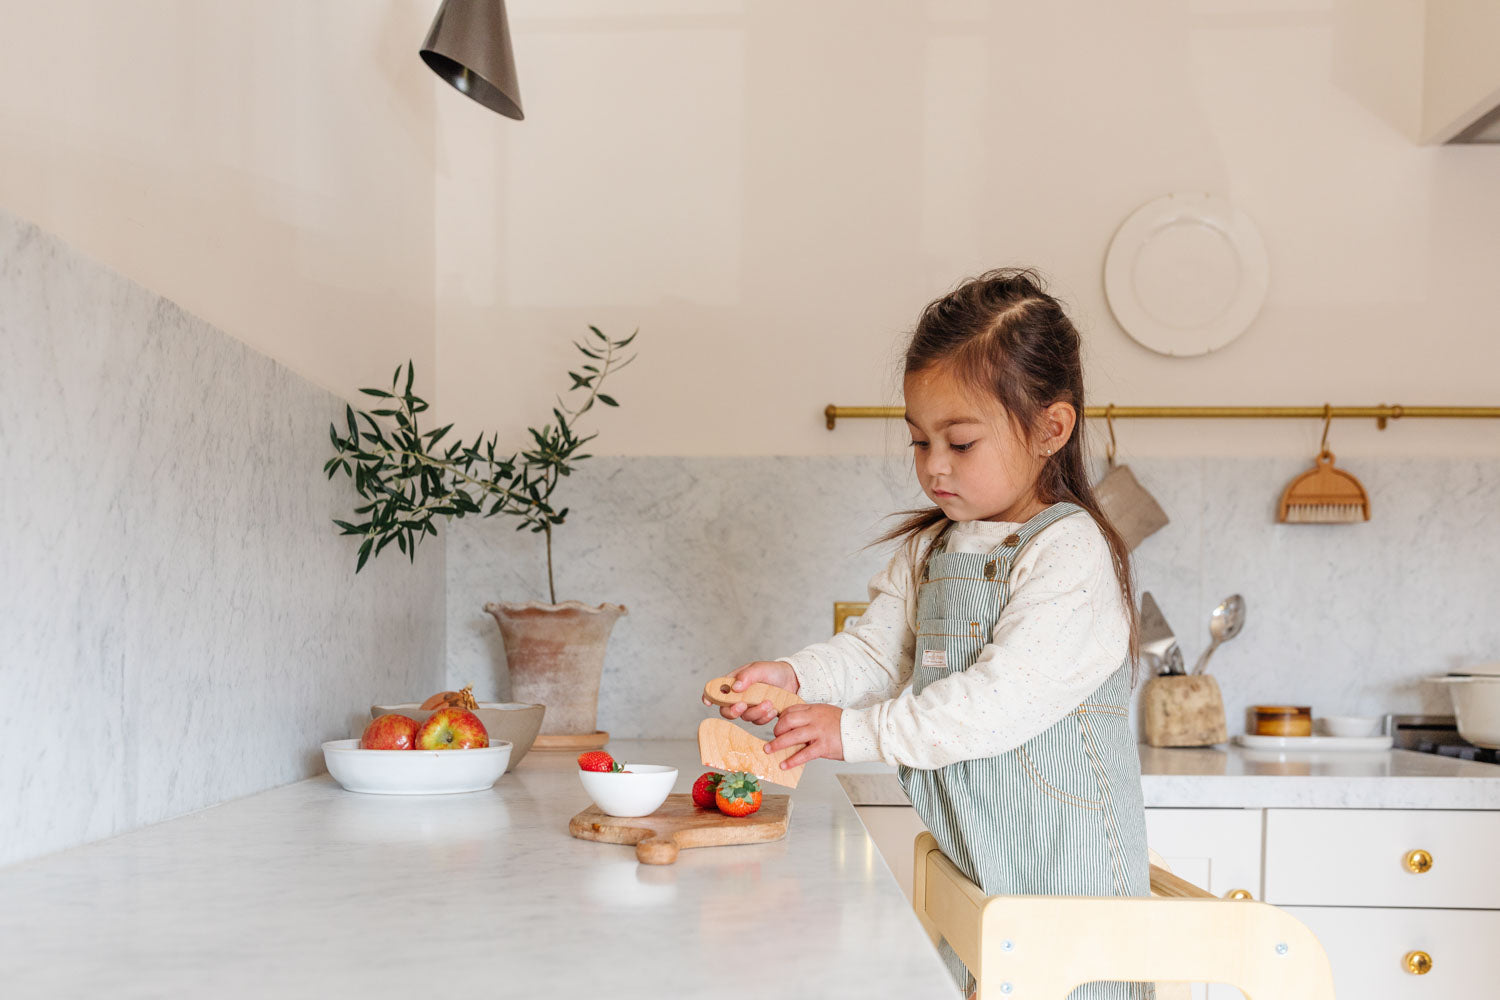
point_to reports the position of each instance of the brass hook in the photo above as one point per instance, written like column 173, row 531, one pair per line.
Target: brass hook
column 1109, row 420
column 1327, row 419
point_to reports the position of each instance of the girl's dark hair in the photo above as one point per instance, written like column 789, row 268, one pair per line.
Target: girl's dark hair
column 1002, row 335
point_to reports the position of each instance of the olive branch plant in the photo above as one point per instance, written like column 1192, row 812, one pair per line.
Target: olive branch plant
column 408, row 479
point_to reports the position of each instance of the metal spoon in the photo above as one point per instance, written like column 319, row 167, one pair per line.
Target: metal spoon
column 1224, row 624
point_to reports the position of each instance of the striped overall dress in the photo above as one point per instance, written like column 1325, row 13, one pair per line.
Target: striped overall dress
column 1062, row 814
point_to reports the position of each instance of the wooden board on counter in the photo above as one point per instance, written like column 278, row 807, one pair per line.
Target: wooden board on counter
column 679, row 824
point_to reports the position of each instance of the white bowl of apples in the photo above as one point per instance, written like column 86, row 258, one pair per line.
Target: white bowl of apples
column 448, row 753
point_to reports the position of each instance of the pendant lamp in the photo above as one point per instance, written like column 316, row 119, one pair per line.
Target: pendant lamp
column 469, row 46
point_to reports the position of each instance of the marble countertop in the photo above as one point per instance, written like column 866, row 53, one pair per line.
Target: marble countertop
column 309, row 890
column 1232, row 777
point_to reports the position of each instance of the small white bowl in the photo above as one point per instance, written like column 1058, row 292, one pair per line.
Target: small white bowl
column 415, row 772
column 639, row 790
column 1351, row 725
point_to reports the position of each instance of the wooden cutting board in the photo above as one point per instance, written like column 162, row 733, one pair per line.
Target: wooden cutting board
column 680, row 824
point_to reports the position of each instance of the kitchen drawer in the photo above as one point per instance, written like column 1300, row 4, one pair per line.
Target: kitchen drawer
column 1359, row 857
column 1367, row 950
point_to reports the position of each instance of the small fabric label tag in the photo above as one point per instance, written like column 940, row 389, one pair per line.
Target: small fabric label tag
column 934, row 657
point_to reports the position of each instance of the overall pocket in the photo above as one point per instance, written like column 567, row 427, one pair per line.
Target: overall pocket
column 1062, row 763
column 945, row 646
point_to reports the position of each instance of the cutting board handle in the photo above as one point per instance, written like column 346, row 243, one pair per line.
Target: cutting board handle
column 720, row 691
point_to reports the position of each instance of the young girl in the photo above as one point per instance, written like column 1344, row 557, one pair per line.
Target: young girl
column 994, row 664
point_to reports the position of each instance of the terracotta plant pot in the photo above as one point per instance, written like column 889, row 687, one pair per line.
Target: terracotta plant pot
column 556, row 653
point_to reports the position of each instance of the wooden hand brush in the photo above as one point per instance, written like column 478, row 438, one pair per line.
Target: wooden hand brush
column 1324, row 494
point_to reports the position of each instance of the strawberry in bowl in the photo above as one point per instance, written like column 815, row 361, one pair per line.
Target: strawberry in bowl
column 638, row 790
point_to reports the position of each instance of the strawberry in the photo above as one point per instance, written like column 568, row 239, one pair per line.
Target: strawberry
column 704, row 788
column 598, row 760
column 737, row 794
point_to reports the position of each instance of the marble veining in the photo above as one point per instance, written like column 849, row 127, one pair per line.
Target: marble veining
column 726, row 560
column 181, row 623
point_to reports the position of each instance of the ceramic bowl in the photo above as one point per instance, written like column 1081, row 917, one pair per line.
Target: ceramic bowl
column 1351, row 725
column 515, row 723
column 415, row 772
column 639, row 790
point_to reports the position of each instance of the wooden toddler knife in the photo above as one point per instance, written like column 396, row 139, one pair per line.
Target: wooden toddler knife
column 724, row 745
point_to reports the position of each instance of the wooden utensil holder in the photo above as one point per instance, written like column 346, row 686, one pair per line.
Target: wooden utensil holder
column 1182, row 710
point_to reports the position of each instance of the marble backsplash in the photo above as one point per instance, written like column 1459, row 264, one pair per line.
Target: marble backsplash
column 180, row 624
column 721, row 561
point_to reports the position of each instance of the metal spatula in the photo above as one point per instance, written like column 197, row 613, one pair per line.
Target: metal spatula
column 1158, row 644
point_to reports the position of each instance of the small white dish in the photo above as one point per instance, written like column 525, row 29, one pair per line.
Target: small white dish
column 1349, row 725
column 639, row 790
column 415, row 772
column 1186, row 274
column 1313, row 742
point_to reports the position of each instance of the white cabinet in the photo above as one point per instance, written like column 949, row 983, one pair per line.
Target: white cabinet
column 1383, row 857
column 1368, row 949
column 1218, row 849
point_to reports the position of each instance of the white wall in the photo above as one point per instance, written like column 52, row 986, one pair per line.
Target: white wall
column 268, row 166
column 772, row 190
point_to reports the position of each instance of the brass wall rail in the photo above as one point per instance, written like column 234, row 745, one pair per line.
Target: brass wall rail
column 1380, row 414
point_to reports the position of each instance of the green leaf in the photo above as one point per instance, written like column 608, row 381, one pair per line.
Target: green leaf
column 364, row 554
column 627, row 340
column 607, row 400
column 599, row 333
column 410, row 374
column 377, row 392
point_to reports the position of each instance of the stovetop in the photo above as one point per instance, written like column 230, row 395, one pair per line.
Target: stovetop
column 1436, row 734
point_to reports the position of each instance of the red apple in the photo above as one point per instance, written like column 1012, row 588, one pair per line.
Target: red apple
column 390, row 732
column 452, row 729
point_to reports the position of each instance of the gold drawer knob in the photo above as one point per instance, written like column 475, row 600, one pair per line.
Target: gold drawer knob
column 1418, row 861
column 1418, row 963
column 1238, row 894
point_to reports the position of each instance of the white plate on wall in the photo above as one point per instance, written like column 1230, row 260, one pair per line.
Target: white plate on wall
column 1186, row 274
column 415, row 772
column 1250, row 742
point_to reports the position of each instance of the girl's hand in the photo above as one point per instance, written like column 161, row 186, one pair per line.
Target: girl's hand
column 815, row 725
column 774, row 672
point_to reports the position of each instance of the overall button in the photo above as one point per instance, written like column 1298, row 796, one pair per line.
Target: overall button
column 989, row 570
column 1012, row 540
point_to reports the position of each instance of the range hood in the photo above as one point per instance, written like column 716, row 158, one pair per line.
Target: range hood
column 1461, row 72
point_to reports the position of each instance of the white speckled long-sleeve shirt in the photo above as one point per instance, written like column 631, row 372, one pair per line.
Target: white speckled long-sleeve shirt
column 1063, row 632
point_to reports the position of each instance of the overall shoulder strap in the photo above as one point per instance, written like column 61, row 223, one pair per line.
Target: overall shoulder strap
column 1041, row 522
